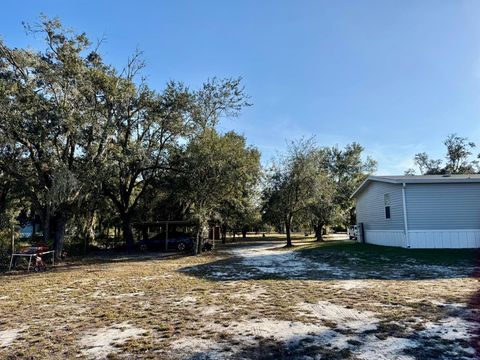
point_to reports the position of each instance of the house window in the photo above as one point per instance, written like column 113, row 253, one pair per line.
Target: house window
column 386, row 199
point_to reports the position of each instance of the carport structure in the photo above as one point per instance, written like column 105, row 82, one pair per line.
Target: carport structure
column 167, row 226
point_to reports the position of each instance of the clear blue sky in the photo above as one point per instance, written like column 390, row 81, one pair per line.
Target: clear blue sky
column 395, row 76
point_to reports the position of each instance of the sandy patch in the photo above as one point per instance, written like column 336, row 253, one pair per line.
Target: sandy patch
column 100, row 343
column 149, row 278
column 7, row 337
column 345, row 318
column 128, row 295
column 195, row 348
column 145, row 305
column 210, row 310
column 98, row 294
column 294, row 334
column 269, row 261
column 278, row 261
column 253, row 294
column 290, row 332
column 387, row 349
column 155, row 277
column 451, row 328
column 351, row 284
column 108, row 283
column 187, row 300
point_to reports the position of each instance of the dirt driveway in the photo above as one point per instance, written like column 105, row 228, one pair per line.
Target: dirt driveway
column 252, row 300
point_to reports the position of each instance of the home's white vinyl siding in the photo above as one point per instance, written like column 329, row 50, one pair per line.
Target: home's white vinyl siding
column 385, row 237
column 371, row 212
column 444, row 239
column 443, row 206
column 439, row 215
column 443, row 215
column 371, row 207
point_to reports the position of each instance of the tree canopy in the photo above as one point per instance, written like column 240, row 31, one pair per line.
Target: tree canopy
column 80, row 137
column 86, row 146
column 314, row 184
column 459, row 159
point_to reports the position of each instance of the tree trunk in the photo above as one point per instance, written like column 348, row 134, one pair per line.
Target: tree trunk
column 59, row 238
column 88, row 231
column 46, row 225
column 144, row 233
column 244, row 233
column 353, row 216
column 33, row 222
column 198, row 238
column 224, row 234
column 319, row 232
column 127, row 230
column 288, row 223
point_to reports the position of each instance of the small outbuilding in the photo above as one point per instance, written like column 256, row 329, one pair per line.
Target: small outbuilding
column 425, row 211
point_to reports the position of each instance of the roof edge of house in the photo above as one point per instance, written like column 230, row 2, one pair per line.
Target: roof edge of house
column 419, row 179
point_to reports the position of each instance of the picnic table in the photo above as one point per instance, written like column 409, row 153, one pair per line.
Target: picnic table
column 31, row 254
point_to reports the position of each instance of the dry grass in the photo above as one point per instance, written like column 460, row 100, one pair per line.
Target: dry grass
column 222, row 305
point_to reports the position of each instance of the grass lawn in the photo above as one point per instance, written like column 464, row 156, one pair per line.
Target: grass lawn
column 248, row 300
column 397, row 255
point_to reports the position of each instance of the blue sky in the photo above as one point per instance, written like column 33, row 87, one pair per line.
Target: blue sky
column 395, row 76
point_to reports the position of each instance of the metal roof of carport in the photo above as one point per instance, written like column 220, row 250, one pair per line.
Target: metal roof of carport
column 420, row 179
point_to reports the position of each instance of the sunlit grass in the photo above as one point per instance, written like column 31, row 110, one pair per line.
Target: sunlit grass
column 61, row 306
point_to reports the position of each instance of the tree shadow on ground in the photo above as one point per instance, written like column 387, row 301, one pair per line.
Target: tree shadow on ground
column 336, row 261
column 350, row 261
column 390, row 339
column 100, row 259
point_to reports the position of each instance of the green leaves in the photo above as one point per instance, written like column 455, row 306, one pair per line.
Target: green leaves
column 313, row 184
column 458, row 159
column 217, row 170
column 75, row 131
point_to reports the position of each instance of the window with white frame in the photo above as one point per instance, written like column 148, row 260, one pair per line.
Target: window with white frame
column 386, row 199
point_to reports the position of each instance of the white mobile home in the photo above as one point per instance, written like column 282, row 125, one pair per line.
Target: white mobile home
column 427, row 211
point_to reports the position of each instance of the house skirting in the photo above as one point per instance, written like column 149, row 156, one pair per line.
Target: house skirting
column 425, row 239
column 385, row 237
